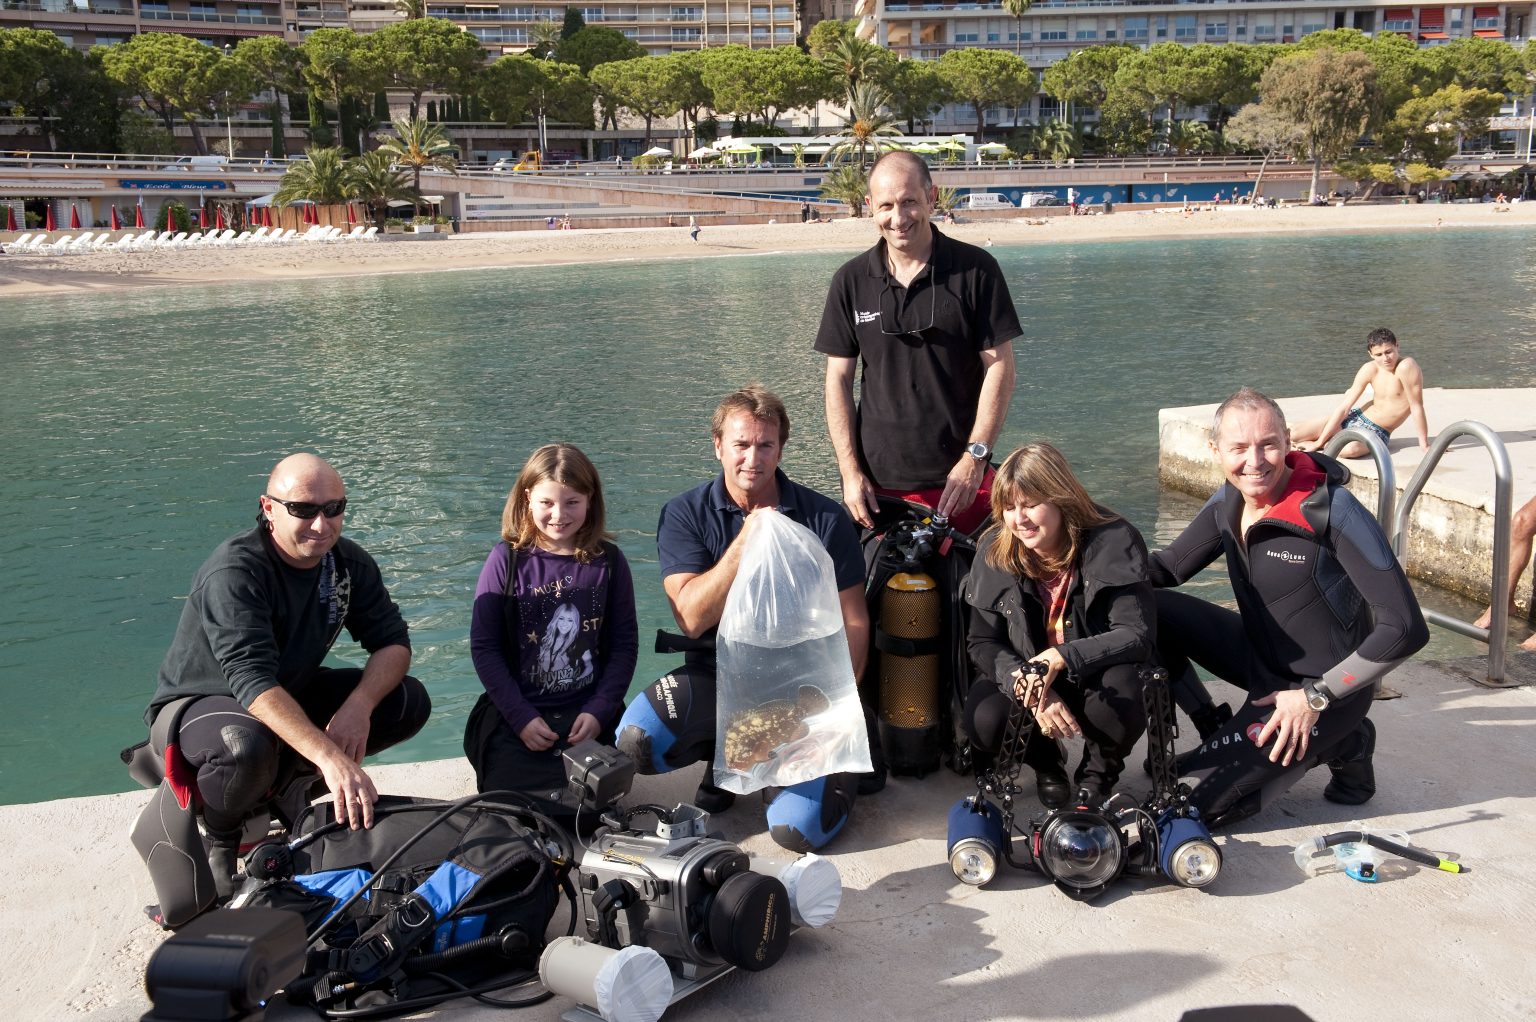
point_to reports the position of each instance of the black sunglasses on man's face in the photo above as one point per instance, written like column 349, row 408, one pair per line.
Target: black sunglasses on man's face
column 305, row 510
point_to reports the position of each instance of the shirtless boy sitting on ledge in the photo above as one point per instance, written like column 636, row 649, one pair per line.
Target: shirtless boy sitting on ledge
column 1397, row 389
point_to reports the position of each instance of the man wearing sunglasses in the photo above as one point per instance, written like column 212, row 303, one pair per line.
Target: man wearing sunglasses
column 932, row 323
column 254, row 711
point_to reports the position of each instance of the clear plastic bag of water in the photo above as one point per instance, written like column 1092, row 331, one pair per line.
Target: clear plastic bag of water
column 787, row 704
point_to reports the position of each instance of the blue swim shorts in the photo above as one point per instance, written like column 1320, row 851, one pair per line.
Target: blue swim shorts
column 1356, row 420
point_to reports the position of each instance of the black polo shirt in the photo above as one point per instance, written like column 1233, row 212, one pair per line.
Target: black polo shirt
column 696, row 527
column 918, row 390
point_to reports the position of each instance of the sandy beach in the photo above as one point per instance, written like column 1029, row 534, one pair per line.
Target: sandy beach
column 39, row 274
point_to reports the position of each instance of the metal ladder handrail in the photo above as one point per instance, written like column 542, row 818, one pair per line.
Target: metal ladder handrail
column 1386, row 475
column 1503, row 501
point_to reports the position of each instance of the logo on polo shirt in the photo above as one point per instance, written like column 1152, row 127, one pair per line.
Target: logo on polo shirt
column 860, row 318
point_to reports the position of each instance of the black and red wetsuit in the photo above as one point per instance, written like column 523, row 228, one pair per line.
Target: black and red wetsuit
column 1320, row 595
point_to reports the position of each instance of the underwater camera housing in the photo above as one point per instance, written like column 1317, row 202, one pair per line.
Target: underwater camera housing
column 1084, row 848
column 676, row 892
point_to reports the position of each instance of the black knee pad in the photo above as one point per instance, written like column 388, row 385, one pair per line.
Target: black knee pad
column 244, row 777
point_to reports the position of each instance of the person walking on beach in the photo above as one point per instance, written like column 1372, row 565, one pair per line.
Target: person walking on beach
column 693, row 228
column 1397, row 392
column 927, row 324
column 1522, row 529
column 243, row 679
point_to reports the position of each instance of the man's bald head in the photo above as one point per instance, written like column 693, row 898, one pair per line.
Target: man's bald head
column 299, row 491
column 306, row 472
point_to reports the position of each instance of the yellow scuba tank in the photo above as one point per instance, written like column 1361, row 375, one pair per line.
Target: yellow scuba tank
column 911, row 609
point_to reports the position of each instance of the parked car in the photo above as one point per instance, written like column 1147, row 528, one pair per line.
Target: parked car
column 1031, row 199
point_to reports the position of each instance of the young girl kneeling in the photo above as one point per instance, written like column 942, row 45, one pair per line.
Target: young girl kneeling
column 553, row 634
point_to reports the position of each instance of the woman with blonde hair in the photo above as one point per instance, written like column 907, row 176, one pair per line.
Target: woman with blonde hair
column 1061, row 580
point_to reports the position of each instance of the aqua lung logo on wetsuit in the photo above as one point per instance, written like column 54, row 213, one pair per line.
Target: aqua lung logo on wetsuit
column 1287, row 556
column 860, row 317
column 1254, row 730
column 1251, row 732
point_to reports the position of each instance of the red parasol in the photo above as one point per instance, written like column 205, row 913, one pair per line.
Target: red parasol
column 350, row 220
column 218, row 217
column 138, row 214
column 117, row 224
column 48, row 221
column 10, row 218
column 202, row 218
column 74, row 217
column 266, row 216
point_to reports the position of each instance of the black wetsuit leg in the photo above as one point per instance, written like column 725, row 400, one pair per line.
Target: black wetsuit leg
column 236, row 758
column 506, row 764
column 672, row 723
column 240, row 762
column 1109, row 709
column 986, row 722
column 1232, row 777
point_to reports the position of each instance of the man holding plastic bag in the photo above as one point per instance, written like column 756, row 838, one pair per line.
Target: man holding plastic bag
column 793, row 630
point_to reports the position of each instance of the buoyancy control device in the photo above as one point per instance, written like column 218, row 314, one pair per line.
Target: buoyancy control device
column 436, row 900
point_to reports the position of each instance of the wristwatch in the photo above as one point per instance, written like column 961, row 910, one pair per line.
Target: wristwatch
column 978, row 450
column 1317, row 699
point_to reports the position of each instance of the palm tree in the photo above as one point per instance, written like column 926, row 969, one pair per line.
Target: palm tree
column 847, row 184
column 412, row 9
column 1017, row 8
column 1054, row 140
column 419, row 144
column 320, row 177
column 374, row 180
column 852, row 59
column 543, row 37
column 867, row 128
column 1185, row 137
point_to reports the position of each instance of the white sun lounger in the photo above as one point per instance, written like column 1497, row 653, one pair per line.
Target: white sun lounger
column 20, row 244
column 81, row 243
column 371, row 234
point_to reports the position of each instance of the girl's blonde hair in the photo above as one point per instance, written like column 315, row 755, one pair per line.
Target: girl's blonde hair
column 565, row 464
column 1039, row 474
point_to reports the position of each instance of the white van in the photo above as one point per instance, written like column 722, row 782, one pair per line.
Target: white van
column 984, row 200
column 200, row 163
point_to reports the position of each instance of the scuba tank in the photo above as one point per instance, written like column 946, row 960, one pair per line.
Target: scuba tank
column 911, row 609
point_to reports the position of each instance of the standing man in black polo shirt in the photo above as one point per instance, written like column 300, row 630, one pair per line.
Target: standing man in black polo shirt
column 933, row 323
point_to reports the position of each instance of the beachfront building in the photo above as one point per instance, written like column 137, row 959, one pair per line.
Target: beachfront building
column 1052, row 29
column 86, row 23
column 661, row 28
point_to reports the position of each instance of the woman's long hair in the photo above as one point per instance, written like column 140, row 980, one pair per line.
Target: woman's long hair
column 1039, row 474
column 565, row 464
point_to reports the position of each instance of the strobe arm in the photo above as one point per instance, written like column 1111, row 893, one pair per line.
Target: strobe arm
column 1162, row 729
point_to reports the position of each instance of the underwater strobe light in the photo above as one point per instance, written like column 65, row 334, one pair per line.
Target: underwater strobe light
column 1187, row 854
column 975, row 841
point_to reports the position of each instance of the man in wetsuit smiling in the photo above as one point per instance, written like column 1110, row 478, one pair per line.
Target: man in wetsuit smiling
column 1324, row 612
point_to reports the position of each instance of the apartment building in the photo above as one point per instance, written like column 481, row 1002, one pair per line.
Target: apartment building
column 661, row 28
column 1051, row 29
column 86, row 23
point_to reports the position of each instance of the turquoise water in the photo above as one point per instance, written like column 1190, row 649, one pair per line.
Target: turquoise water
column 141, row 426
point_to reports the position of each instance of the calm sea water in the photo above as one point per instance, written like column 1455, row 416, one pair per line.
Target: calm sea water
column 140, row 427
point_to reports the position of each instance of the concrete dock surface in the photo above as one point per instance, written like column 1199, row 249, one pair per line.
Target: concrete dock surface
column 1450, row 537
column 1453, row 765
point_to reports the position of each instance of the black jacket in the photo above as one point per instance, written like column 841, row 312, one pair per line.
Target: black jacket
column 1111, row 613
column 1319, row 590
